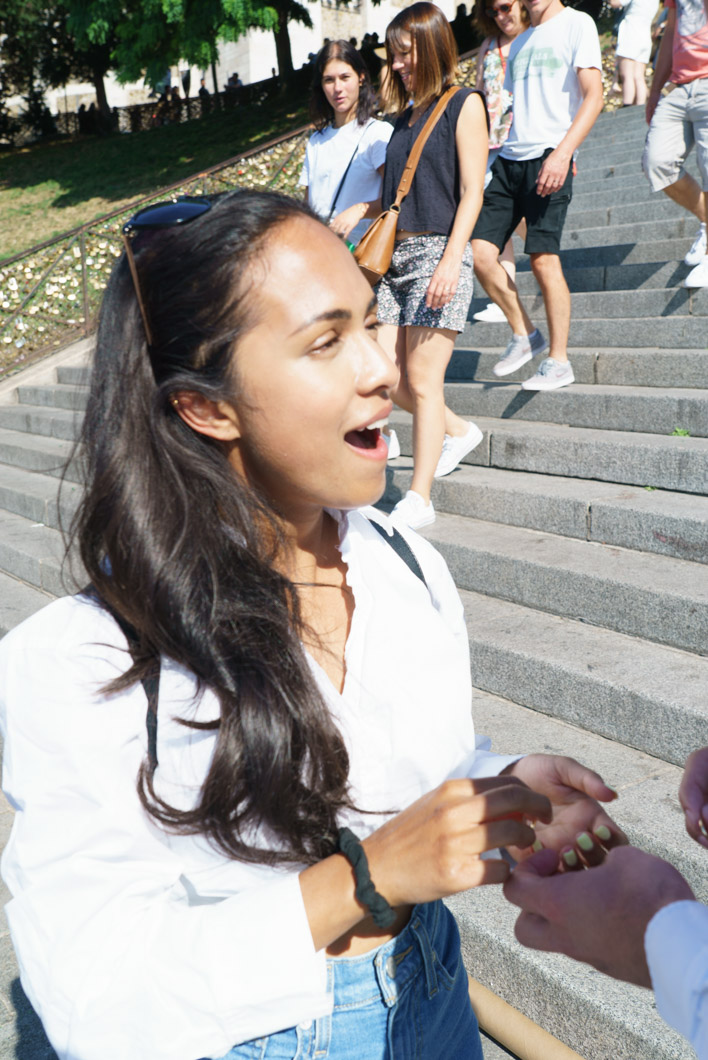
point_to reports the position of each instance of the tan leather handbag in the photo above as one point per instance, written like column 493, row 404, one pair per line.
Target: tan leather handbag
column 375, row 249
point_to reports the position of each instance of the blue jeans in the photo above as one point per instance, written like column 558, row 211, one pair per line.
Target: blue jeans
column 406, row 1000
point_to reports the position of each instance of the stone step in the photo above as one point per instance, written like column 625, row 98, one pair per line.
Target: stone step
column 34, row 496
column 673, row 332
column 33, row 553
column 647, row 410
column 641, row 594
column 599, row 1018
column 597, row 195
column 610, row 156
column 681, row 227
column 643, row 695
column 75, row 375
column 56, row 395
column 647, row 303
column 660, row 521
column 37, row 452
column 624, row 213
column 626, row 279
column 41, row 420
column 18, row 601
column 648, row 460
column 647, row 367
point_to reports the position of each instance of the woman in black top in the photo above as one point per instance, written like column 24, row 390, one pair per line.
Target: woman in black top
column 425, row 297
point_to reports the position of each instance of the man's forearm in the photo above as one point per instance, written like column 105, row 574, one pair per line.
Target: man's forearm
column 662, row 67
column 583, row 122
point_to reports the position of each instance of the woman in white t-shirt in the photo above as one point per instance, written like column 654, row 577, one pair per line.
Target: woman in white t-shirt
column 345, row 157
column 634, row 48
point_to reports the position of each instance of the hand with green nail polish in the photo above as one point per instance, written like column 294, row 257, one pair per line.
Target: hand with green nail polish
column 693, row 795
column 575, row 793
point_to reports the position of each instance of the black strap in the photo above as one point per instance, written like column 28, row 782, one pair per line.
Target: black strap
column 399, row 545
column 341, row 183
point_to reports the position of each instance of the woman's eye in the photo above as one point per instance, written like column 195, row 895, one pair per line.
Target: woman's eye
column 327, row 342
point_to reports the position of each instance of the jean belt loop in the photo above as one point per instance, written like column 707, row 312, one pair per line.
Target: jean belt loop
column 426, row 950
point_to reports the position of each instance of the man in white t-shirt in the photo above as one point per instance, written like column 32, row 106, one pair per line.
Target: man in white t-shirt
column 554, row 72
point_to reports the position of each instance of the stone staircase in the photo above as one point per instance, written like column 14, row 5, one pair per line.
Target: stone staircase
column 578, row 535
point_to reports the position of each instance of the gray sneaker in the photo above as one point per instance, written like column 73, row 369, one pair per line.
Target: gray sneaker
column 520, row 350
column 551, row 375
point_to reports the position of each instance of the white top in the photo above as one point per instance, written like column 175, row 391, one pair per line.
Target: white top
column 326, row 158
column 541, row 75
column 676, row 944
column 634, row 33
column 133, row 943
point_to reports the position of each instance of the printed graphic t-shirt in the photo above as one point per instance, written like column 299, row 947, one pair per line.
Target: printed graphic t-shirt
column 690, row 55
column 327, row 157
column 541, row 73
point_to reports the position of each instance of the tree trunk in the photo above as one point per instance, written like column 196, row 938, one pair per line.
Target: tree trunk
column 217, row 100
column 282, row 46
column 101, row 98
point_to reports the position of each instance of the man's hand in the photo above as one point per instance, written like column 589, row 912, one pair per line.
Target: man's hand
column 598, row 916
column 553, row 172
column 693, row 795
column 652, row 102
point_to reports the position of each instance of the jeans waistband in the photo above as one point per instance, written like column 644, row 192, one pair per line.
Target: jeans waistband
column 385, row 971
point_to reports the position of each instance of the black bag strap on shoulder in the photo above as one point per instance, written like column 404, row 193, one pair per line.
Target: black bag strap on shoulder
column 400, row 546
column 346, row 171
column 150, row 683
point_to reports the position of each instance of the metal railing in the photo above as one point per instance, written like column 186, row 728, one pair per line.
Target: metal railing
column 50, row 294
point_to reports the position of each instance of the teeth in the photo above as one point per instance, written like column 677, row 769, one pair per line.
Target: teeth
column 377, row 425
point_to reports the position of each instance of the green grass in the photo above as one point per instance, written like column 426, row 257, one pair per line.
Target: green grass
column 51, row 188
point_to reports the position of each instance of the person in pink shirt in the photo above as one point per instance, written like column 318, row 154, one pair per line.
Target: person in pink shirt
column 680, row 120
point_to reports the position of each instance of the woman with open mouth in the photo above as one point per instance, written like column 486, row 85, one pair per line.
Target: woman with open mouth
column 243, row 758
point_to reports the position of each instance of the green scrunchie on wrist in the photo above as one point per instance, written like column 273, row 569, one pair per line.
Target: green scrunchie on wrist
column 381, row 912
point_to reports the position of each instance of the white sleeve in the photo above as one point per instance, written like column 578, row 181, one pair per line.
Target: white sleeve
column 587, row 47
column 676, row 944
column 380, row 134
column 115, row 954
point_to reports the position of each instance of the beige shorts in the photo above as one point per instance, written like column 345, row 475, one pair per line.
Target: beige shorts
column 680, row 121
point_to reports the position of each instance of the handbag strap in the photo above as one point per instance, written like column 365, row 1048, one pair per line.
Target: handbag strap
column 344, row 177
column 421, row 140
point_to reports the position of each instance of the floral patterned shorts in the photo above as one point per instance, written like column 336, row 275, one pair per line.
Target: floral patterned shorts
column 401, row 292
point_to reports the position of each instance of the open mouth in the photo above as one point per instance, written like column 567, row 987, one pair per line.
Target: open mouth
column 366, row 437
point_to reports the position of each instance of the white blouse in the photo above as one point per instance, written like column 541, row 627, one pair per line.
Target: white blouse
column 135, row 943
column 676, row 944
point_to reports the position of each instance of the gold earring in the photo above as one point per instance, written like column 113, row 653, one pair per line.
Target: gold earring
column 175, row 402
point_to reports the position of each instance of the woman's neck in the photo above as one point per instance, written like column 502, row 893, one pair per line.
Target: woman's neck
column 340, row 120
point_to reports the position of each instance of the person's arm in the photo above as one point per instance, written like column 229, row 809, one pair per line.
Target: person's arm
column 346, row 221
column 471, row 141
column 554, row 170
column 483, row 49
column 598, row 916
column 664, row 62
column 676, row 947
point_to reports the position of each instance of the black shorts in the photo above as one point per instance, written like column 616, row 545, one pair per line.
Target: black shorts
column 511, row 195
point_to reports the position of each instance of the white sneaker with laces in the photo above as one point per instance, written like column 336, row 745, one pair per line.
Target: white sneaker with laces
column 394, row 446
column 493, row 314
column 412, row 511
column 454, row 449
column 551, row 375
column 699, row 248
column 698, row 277
column 521, row 349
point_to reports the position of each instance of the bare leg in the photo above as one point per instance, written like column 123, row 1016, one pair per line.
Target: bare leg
column 393, row 340
column 499, row 285
column 687, row 193
column 556, row 299
column 428, row 352
column 627, row 73
column 640, row 81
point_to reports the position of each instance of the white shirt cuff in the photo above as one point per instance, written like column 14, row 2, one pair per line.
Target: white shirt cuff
column 676, row 946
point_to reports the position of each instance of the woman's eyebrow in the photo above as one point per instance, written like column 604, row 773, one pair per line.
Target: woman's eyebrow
column 333, row 314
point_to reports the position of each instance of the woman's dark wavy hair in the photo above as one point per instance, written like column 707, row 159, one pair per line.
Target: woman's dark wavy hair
column 321, row 112
column 178, row 545
column 488, row 26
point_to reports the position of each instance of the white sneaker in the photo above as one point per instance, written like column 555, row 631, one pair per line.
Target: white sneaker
column 699, row 248
column 454, row 449
column 551, row 375
column 698, row 277
column 394, row 446
column 521, row 349
column 412, row 511
column 493, row 314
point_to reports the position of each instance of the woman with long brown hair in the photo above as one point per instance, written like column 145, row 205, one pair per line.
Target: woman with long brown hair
column 425, row 296
column 236, row 814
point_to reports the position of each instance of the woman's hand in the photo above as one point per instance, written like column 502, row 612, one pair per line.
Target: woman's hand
column 581, row 831
column 693, row 795
column 346, row 221
column 443, row 282
column 433, row 848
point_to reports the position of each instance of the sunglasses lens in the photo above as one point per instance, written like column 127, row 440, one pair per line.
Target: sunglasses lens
column 166, row 214
column 503, row 9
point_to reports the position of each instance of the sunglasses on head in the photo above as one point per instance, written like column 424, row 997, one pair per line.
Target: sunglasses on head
column 159, row 215
column 502, row 9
